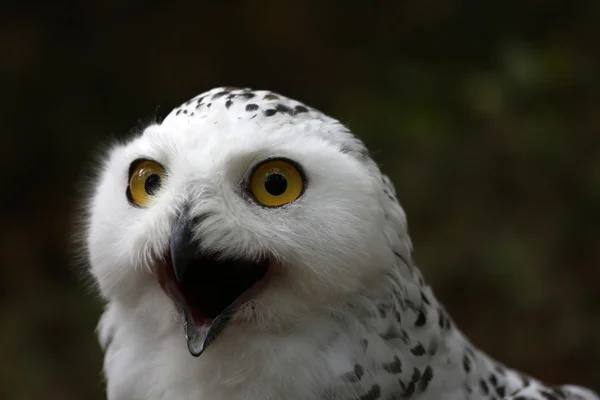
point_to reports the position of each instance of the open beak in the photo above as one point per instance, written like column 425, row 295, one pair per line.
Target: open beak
column 207, row 287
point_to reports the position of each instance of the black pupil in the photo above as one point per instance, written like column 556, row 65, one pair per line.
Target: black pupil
column 152, row 184
column 276, row 184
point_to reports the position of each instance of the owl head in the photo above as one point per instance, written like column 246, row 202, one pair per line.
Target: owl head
column 240, row 208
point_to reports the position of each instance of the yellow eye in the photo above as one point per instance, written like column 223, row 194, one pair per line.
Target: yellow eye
column 146, row 180
column 276, row 182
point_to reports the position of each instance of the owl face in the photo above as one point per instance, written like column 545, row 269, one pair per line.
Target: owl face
column 241, row 207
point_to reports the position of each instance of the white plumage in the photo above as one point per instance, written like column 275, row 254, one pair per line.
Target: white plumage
column 183, row 221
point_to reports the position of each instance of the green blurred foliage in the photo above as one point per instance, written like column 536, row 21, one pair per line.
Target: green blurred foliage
column 485, row 114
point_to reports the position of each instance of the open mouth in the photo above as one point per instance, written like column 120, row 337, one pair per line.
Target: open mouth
column 207, row 289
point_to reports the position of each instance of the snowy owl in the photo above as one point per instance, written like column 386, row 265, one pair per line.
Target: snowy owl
column 248, row 247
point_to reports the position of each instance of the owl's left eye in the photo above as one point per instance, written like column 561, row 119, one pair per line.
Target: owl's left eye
column 146, row 179
column 276, row 182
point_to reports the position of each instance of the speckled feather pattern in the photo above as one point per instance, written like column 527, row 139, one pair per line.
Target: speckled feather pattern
column 386, row 337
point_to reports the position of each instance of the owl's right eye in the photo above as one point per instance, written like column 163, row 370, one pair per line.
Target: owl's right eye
column 146, row 179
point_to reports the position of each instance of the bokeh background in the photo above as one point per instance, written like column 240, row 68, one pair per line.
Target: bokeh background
column 485, row 114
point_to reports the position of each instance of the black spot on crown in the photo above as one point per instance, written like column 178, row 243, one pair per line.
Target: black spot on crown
column 300, row 109
column 219, row 94
column 270, row 112
column 228, row 104
column 284, row 109
column 251, row 107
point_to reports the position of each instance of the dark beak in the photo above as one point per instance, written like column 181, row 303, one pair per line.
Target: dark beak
column 183, row 248
column 206, row 287
column 200, row 332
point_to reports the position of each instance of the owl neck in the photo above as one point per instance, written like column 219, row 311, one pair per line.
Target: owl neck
column 412, row 336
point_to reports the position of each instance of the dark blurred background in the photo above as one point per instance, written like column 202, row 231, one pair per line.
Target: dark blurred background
column 485, row 114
